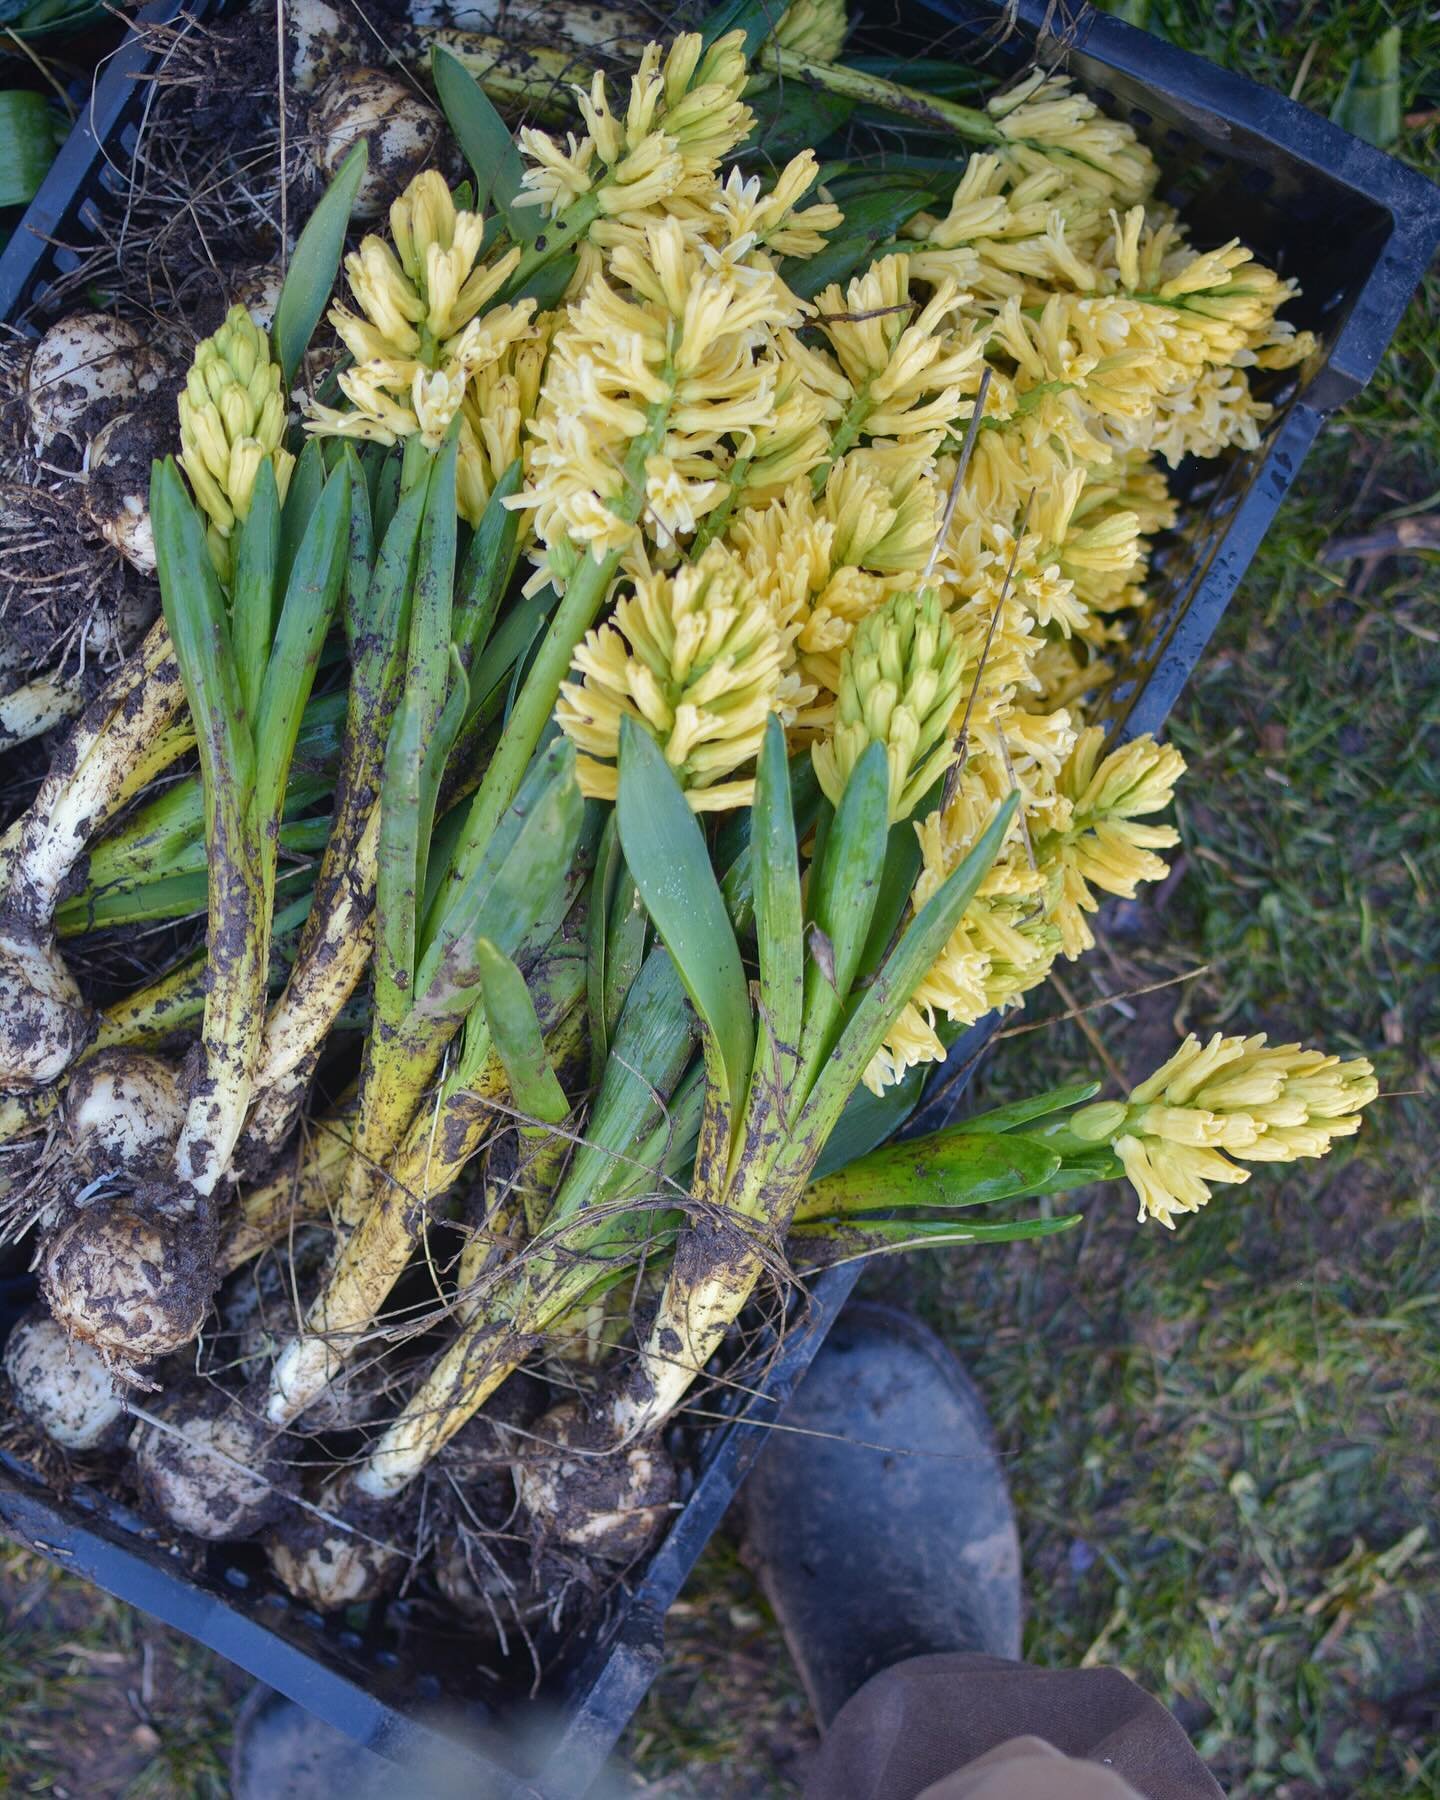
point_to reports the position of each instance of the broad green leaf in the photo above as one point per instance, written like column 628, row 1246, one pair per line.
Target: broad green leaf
column 428, row 668
column 307, row 483
column 517, row 885
column 194, row 608
column 822, row 1244
column 28, row 142
column 315, row 264
column 844, row 884
column 654, row 1044
column 1039, row 1106
column 597, row 931
column 756, row 18
column 253, row 591
column 665, row 852
column 892, row 901
column 485, row 573
column 870, row 220
column 179, row 896
column 397, row 901
column 891, row 989
column 487, row 144
column 1372, row 100
column 779, row 917
column 869, row 1119
column 360, row 562
column 311, row 596
column 947, row 1169
column 439, row 741
column 519, row 1044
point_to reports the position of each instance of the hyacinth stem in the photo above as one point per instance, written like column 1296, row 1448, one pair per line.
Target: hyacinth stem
column 118, row 744
column 39, row 706
column 584, row 595
column 437, row 1146
column 874, row 90
column 302, row 1193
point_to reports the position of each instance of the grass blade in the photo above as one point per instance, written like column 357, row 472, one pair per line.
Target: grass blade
column 822, row 1243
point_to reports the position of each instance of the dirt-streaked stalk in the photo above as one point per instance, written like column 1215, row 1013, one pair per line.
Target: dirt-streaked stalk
column 440, row 1141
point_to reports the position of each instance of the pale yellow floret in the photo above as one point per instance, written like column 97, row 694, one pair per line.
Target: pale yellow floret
column 695, row 657
column 1229, row 1097
column 232, row 419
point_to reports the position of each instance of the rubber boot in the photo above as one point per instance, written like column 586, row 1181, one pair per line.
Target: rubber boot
column 877, row 1518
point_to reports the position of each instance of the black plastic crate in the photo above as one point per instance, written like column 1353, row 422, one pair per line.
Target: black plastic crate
column 1358, row 230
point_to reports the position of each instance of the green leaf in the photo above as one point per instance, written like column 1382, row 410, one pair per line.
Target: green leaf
column 756, row 18
column 779, row 917
column 654, row 1044
column 28, row 142
column 870, row 220
column 307, row 483
column 194, row 608
column 315, row 264
column 869, row 1119
column 486, row 142
column 311, row 596
column 1372, row 100
column 666, row 854
column 1040, row 1106
column 517, row 885
column 608, row 865
column 822, row 1244
column 360, row 562
column 518, row 1041
column 888, row 994
column 485, row 574
column 427, row 671
column 844, row 884
column 256, row 550
column 948, row 1169
column 397, row 897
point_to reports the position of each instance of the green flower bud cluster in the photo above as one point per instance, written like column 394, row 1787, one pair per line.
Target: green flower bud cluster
column 232, row 418
column 900, row 685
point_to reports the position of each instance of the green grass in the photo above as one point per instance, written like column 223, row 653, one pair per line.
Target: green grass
column 1222, row 1442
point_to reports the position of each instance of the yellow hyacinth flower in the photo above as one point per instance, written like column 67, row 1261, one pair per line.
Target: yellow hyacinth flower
column 1230, row 1097
column 1105, row 845
column 696, row 658
column 232, row 418
column 684, row 114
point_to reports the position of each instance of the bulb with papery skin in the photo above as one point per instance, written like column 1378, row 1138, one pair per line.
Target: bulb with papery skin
column 63, row 1387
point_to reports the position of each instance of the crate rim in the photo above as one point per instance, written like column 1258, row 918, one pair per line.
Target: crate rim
column 100, row 1538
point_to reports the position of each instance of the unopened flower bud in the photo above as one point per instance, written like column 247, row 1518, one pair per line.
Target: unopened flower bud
column 899, row 686
column 232, row 417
